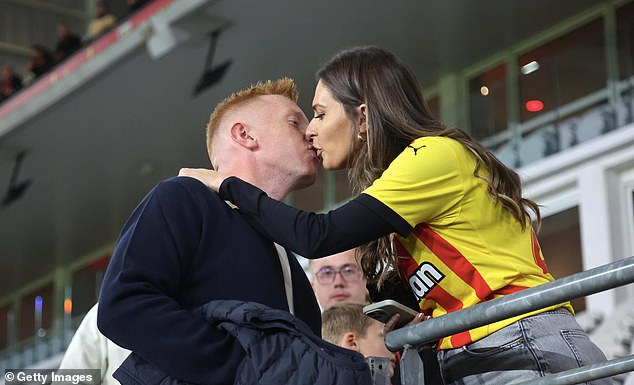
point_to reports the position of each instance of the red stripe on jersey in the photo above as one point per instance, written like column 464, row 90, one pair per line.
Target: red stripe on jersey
column 451, row 257
column 510, row 289
column 461, row 339
column 537, row 253
column 451, row 304
column 446, row 300
column 407, row 265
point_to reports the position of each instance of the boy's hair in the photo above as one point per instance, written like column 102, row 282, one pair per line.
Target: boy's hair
column 283, row 87
column 342, row 318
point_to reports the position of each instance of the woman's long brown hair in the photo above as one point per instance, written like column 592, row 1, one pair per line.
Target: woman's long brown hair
column 397, row 113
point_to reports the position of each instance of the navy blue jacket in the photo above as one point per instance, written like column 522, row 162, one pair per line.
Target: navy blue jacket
column 281, row 349
column 182, row 247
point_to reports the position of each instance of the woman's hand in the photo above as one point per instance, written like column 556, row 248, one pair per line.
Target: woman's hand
column 389, row 326
column 211, row 178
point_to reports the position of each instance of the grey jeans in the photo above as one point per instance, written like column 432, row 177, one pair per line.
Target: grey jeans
column 531, row 347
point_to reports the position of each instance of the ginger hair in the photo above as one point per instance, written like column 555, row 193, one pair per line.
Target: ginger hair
column 284, row 87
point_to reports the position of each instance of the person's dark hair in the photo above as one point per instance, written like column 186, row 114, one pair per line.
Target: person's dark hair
column 397, row 113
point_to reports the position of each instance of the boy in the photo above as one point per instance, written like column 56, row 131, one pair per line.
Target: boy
column 345, row 325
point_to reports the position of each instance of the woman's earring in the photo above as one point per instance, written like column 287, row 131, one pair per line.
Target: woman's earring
column 361, row 138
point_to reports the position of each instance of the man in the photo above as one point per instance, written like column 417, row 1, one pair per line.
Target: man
column 89, row 349
column 10, row 82
column 338, row 278
column 67, row 44
column 184, row 247
column 103, row 21
column 345, row 325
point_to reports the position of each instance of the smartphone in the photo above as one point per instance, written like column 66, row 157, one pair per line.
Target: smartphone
column 382, row 311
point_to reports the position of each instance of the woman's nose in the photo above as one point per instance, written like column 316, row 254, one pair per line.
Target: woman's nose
column 310, row 131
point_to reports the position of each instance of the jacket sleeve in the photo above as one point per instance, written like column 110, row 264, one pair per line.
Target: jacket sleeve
column 309, row 234
column 138, row 306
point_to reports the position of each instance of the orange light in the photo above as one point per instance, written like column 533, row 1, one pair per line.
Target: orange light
column 68, row 306
column 534, row 105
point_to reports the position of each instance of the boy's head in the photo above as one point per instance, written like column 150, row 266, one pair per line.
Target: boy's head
column 345, row 325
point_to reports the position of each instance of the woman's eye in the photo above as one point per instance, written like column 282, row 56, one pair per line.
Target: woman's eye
column 319, row 116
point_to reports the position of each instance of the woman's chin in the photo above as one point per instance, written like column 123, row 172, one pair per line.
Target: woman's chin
column 331, row 166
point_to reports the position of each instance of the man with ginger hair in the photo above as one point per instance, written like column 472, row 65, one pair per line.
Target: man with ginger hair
column 183, row 246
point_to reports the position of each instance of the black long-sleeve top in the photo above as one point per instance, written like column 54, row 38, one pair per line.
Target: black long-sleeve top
column 309, row 234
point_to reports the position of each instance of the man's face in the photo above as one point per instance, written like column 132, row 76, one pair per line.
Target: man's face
column 338, row 278
column 286, row 149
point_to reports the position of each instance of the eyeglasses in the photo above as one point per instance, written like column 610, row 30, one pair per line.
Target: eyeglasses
column 349, row 273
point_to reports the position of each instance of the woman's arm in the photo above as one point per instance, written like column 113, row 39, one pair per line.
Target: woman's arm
column 309, row 234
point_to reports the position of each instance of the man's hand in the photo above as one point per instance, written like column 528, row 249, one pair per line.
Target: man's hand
column 211, row 178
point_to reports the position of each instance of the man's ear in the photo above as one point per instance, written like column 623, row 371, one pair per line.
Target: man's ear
column 349, row 341
column 241, row 134
column 362, row 119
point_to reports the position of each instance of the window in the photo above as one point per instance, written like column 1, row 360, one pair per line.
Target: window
column 6, row 325
column 628, row 220
column 311, row 198
column 560, row 240
column 86, row 285
column 434, row 106
column 631, row 220
column 487, row 102
column 343, row 186
column 37, row 312
column 550, row 76
column 625, row 30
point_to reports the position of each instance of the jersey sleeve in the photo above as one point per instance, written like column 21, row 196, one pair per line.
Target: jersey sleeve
column 425, row 182
column 312, row 235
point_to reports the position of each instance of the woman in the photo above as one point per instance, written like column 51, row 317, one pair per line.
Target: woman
column 461, row 229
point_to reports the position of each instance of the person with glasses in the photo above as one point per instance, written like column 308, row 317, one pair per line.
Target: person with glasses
column 338, row 283
column 338, row 278
column 435, row 207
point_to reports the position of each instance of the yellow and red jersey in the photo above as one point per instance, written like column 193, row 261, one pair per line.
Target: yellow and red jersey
column 465, row 248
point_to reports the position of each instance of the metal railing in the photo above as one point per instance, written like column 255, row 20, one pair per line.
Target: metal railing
column 35, row 349
column 591, row 281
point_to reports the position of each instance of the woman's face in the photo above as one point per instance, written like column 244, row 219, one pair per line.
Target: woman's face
column 331, row 131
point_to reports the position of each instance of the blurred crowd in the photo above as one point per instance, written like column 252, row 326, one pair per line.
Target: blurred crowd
column 44, row 59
